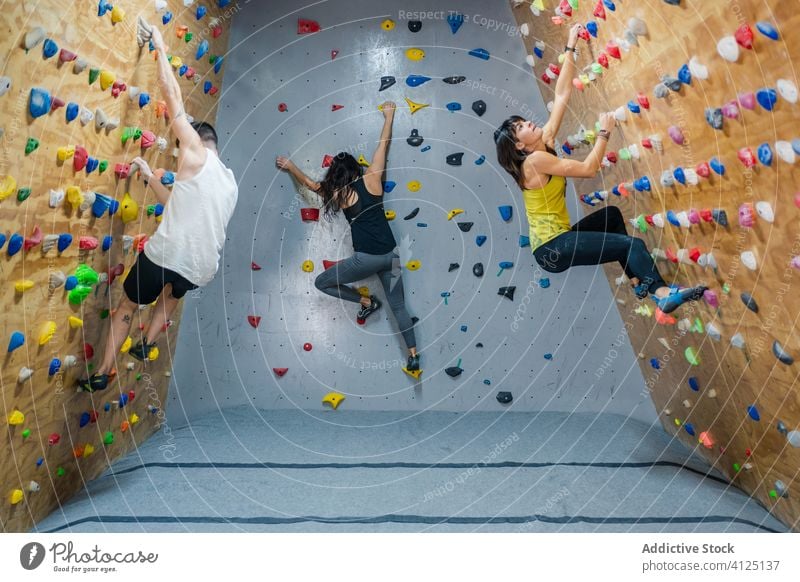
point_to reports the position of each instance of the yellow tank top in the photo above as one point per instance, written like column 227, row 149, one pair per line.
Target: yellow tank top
column 547, row 211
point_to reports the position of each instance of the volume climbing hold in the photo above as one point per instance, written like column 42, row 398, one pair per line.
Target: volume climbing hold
column 506, row 212
column 455, row 159
column 306, row 26
column 415, row 139
column 480, row 53
column 480, row 239
column 414, row 25
column 414, row 107
column 507, row 292
column 387, row 82
column 415, row 54
column 334, row 399
column 454, row 80
column 416, row 80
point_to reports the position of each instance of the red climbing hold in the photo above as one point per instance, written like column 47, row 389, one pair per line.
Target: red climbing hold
column 335, row 107
column 307, row 346
column 334, row 52
column 305, row 26
column 545, row 78
column 328, row 264
column 600, row 10
column 744, row 36
column 216, row 32
column 255, row 266
column 80, row 158
column 554, row 69
column 66, row 56
column 707, row 215
column 114, row 272
column 56, row 103
column 117, row 88
column 612, row 157
column 280, row 372
column 88, row 351
column 643, row 100
column 613, row 49
column 703, row 170
column 87, row 243
column 565, row 8
column 311, row 214
column 254, row 320
column 122, row 171
column 649, row 220
column 282, row 107
column 671, row 256
column 603, row 60
column 33, row 240
column 647, row 143
column 694, row 254
column 747, row 157
column 213, row 90
column 327, row 161
column 584, row 34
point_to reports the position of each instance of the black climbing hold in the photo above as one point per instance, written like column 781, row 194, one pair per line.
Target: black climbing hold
column 674, row 83
column 782, row 355
column 455, row 80
column 415, row 139
column 720, row 216
column 465, row 226
column 453, row 267
column 504, row 397
column 477, row 269
column 507, row 292
column 479, row 107
column 714, row 117
column 411, row 214
column 673, row 2
column 387, row 82
column 453, row 371
column 455, row 159
column 749, row 302
column 414, row 320
column 479, row 345
column 414, row 25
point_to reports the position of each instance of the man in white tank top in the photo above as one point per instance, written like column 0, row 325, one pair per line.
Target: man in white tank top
column 183, row 254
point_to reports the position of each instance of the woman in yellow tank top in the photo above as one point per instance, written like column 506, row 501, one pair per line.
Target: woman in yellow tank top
column 527, row 152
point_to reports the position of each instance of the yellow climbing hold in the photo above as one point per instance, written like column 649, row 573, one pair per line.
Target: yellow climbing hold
column 87, row 450
column 387, row 24
column 363, row 291
column 74, row 197
column 584, row 78
column 590, row 135
column 134, row 418
column 129, row 208
column 362, row 161
column 75, row 322
column 415, row 106
column 176, row 62
column 644, row 309
column 678, row 422
column 117, row 15
column 454, row 212
column 413, row 373
column 23, row 285
column 390, row 214
column 691, row 356
column 126, row 345
column 65, row 152
column 334, row 399
column 153, row 355
column 413, row 265
column 413, row 186
column 16, row 496
column 16, row 418
column 47, row 332
column 415, row 54
column 8, row 185
column 308, row 266
column 107, row 79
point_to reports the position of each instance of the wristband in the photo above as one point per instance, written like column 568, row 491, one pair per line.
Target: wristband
column 573, row 49
column 605, row 134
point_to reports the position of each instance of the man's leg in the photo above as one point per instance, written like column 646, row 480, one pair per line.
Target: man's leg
column 163, row 310
column 118, row 331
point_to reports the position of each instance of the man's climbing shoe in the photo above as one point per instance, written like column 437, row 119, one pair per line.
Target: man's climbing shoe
column 365, row 312
column 94, row 383
column 141, row 351
column 677, row 298
column 413, row 362
column 641, row 290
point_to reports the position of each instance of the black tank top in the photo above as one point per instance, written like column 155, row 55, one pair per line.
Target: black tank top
column 368, row 224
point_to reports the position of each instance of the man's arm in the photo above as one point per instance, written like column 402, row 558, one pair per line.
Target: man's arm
column 162, row 193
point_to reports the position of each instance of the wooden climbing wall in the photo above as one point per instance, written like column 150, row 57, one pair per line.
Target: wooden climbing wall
column 734, row 384
column 36, row 475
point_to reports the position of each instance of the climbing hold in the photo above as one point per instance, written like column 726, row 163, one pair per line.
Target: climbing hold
column 49, row 48
column 752, row 411
column 415, row 54
column 764, row 210
column 388, row 24
column 505, row 212
column 414, row 186
column 390, row 214
column 714, row 117
column 787, row 90
column 479, row 107
column 362, row 161
column 507, row 292
column 453, row 106
column 465, row 226
column 480, row 239
column 387, row 82
column 425, row 149
column 40, row 102
column 129, row 208
column 416, row 80
column 388, row 186
column 781, row 354
column 505, row 265
column 411, row 214
column 455, row 159
column 691, row 356
column 728, row 49
column 307, row 266
column 64, row 240
column 676, row 134
column 14, row 244
column 31, row 145
column 480, row 53
column 280, row 372
column 767, row 97
column 749, row 302
column 414, row 107
column 717, row 166
column 477, row 269
column 744, row 36
column 413, row 265
column 415, row 139
column 455, row 20
column 17, row 340
column 767, row 29
column 306, row 26
column 309, row 214
column 413, row 373
column 334, row 399
column 254, row 320
column 785, row 151
column 414, row 25
column 453, row 267
column 454, row 80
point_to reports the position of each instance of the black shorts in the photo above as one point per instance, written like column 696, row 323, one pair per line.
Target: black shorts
column 146, row 280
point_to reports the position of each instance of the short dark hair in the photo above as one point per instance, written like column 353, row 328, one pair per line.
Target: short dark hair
column 206, row 131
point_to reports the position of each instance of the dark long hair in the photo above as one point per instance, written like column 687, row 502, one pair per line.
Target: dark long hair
column 338, row 182
column 508, row 154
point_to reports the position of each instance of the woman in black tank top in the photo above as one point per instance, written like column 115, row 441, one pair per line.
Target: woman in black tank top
column 359, row 195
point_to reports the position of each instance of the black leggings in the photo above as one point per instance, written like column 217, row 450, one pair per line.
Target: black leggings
column 600, row 238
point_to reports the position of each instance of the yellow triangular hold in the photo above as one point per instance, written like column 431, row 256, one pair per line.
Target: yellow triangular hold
column 16, row 418
column 538, row 4
column 74, row 196
column 87, row 450
column 415, row 106
column 47, row 332
column 153, row 356
column 454, row 212
column 334, row 399
column 413, row 373
column 117, row 15
column 362, row 161
column 126, row 345
column 75, row 322
column 8, row 185
column 134, row 418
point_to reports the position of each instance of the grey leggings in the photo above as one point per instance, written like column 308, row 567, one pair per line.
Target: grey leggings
column 360, row 266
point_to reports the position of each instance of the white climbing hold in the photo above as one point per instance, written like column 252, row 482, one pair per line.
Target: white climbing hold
column 658, row 253
column 749, row 260
column 127, row 243
column 100, row 118
column 70, row 361
column 658, row 220
column 633, row 149
column 637, row 26
column 687, row 403
column 56, row 198
column 663, row 341
column 133, row 92
column 88, row 200
column 619, row 113
column 131, row 365
column 712, row 261
column 530, row 60
column 737, row 341
column 787, row 90
column 24, row 374
column 112, row 123
column 86, row 117
column 785, row 151
column 713, row 332
column 728, row 49
column 49, row 242
column 161, row 5
column 765, row 211
column 188, row 3
column 683, row 219
column 34, row 36
column 657, row 142
column 697, row 69
column 5, row 85
column 161, row 144
column 793, row 437
column 691, row 176
column 524, row 29
column 711, row 393
column 57, row 278
column 684, row 324
column 683, row 257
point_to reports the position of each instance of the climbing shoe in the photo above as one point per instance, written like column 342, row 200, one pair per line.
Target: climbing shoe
column 141, row 351
column 641, row 290
column 94, row 383
column 677, row 298
column 365, row 312
column 413, row 363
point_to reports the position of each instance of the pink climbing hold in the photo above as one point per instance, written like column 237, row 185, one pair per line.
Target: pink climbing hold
column 334, row 53
column 307, row 347
column 33, row 240
column 711, row 298
column 335, row 107
column 747, row 100
column 56, row 103
column 66, row 56
column 676, row 134
column 327, row 161
column 282, row 107
column 148, row 139
column 747, row 157
column 87, row 243
column 306, row 26
column 122, row 171
column 114, row 272
column 255, row 266
column 280, row 372
column 254, row 320
column 744, row 36
column 117, row 88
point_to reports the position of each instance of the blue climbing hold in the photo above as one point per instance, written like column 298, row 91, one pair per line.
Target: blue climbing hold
column 642, row 184
column 455, row 20
column 615, row 190
column 672, row 218
column 767, row 97
column 548, row 356
column 506, row 212
column 685, row 75
column 107, row 240
column 454, row 106
column 101, row 205
column 223, row 3
column 689, row 428
column 71, row 283
column 144, row 99
column 91, row 164
column 654, row 363
column 464, row 328
column 159, row 209
column 480, row 53
column 422, row 224
column 767, row 29
column 538, row 52
column 166, row 18
column 39, row 461
column 71, row 111
column 168, row 179
column 753, row 412
column 113, row 207
column 480, row 160
column 39, row 102
column 487, row 382
column 544, row 282
column 64, row 240
column 796, row 146
column 207, row 87
column 416, row 80
column 524, row 241
column 103, row 6
column 84, row 420
column 182, row 70
column 2, row 240
column 610, row 5
column 55, row 366
column 425, row 148
column 591, row 26
column 765, row 154
column 50, row 48
column 123, row 399
column 218, row 64
column 566, row 149
column 200, row 12
column 17, row 339
column 14, row 244
column 388, row 186
column 717, row 166
column 694, row 384
column 202, row 49
column 480, row 239
column 634, row 107
column 680, row 175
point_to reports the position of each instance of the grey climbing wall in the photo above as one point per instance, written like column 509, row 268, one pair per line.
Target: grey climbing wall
column 223, row 361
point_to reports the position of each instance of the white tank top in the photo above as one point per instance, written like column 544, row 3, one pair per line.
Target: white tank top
column 192, row 230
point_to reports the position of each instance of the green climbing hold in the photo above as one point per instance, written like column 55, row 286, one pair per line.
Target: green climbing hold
column 78, row 294
column 102, row 166
column 597, row 69
column 60, row 472
column 93, row 74
column 151, row 209
column 133, row 133
column 86, row 275
column 26, row 433
column 773, row 494
column 698, row 326
column 188, row 37
column 726, row 288
column 31, row 146
column 691, row 356
column 23, row 194
column 624, row 154
column 108, row 438
column 138, row 377
column 737, row 467
column 641, row 223
column 104, row 314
